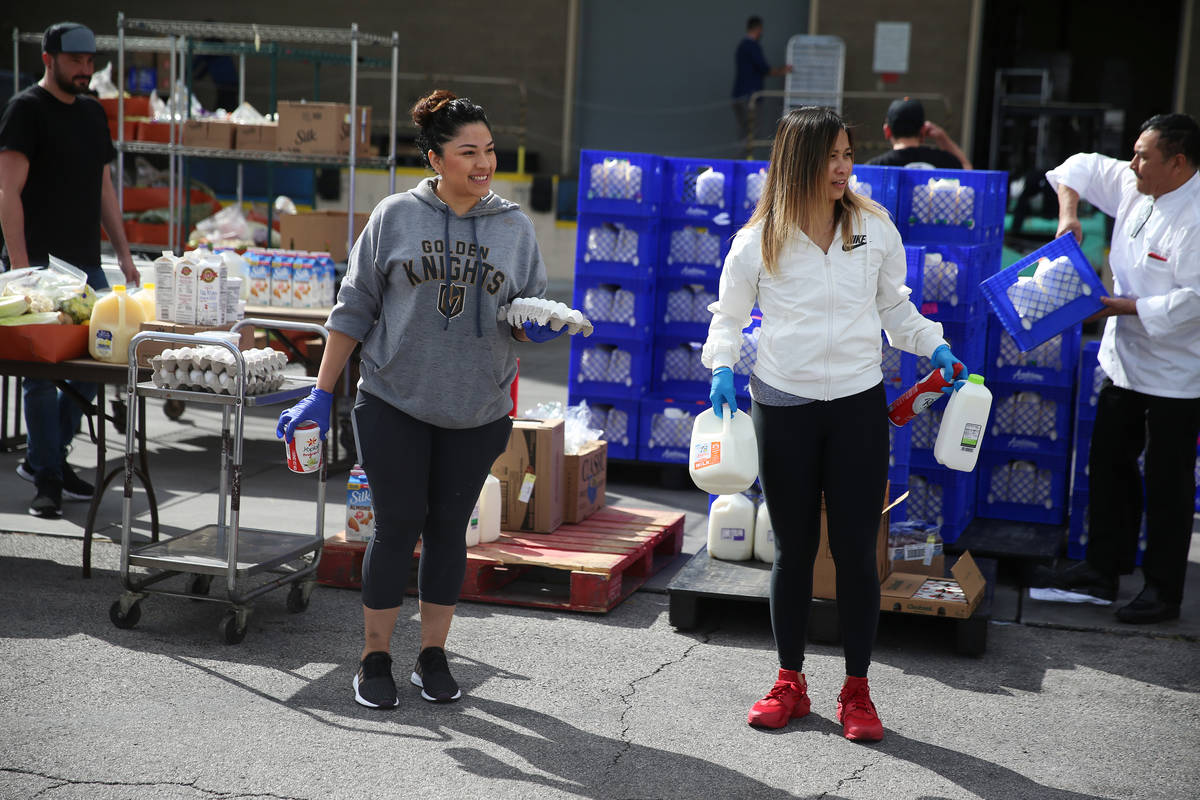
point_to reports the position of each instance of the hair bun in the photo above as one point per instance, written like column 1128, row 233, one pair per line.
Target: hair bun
column 430, row 104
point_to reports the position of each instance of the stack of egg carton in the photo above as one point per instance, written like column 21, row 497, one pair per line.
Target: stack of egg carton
column 211, row 368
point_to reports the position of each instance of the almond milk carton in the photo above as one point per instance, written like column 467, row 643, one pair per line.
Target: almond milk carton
column 281, row 278
column 164, row 287
column 210, row 291
column 187, row 279
column 360, row 514
column 305, row 285
column 260, row 277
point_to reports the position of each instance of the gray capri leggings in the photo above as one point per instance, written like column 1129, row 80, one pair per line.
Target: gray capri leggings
column 424, row 484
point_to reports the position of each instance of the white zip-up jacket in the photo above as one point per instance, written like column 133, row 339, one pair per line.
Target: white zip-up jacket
column 821, row 312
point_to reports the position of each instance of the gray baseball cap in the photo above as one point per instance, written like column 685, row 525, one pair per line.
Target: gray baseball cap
column 68, row 37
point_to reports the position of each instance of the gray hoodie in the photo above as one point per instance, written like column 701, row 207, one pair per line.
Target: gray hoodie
column 432, row 346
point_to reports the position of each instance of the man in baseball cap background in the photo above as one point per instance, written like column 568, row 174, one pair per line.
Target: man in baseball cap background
column 56, row 192
column 907, row 129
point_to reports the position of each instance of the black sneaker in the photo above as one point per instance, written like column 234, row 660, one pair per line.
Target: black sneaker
column 48, row 502
column 373, row 683
column 432, row 674
column 24, row 472
column 1148, row 607
column 75, row 487
column 1084, row 579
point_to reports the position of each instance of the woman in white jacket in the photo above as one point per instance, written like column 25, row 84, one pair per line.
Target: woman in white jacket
column 827, row 269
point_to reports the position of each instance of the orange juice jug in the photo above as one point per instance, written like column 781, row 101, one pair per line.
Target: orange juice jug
column 116, row 317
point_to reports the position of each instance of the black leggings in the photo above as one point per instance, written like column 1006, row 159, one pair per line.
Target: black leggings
column 840, row 448
column 424, row 484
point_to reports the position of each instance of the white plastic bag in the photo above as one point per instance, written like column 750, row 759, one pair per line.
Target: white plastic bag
column 102, row 83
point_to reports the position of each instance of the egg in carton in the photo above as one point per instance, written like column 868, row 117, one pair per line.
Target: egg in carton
column 542, row 311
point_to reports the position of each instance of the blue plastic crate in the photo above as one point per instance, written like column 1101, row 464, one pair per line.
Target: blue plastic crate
column 1077, row 527
column 1054, row 362
column 1081, row 449
column 1090, row 377
column 968, row 341
column 898, row 479
column 665, row 427
column 617, row 417
column 1071, row 298
column 618, row 307
column 693, row 250
column 699, row 189
column 942, row 496
column 950, row 280
column 914, row 255
column 899, row 445
column 681, row 307
column 628, row 184
column 971, row 212
column 1026, row 488
column 1028, row 419
column 609, row 368
column 899, row 370
column 881, row 184
column 677, row 368
column 607, row 246
column 749, row 178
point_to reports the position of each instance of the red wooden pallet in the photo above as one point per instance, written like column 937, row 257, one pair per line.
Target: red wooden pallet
column 587, row 566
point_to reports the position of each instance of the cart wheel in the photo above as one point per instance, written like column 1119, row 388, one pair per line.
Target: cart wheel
column 126, row 620
column 297, row 599
column 173, row 409
column 230, row 631
column 120, row 412
column 198, row 584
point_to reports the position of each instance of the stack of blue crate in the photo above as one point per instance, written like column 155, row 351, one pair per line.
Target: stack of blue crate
column 957, row 217
column 1024, row 466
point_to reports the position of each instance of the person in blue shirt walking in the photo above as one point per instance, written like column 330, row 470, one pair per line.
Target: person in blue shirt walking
column 751, row 68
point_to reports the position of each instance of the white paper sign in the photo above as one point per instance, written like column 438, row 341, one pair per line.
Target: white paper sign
column 891, row 46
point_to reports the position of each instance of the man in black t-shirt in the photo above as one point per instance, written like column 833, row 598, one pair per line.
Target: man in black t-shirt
column 906, row 128
column 55, row 193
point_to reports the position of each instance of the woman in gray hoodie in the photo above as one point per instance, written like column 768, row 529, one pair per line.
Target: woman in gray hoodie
column 423, row 286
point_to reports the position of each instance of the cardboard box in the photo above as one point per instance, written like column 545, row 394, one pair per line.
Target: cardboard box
column 902, row 591
column 48, row 344
column 208, row 133
column 824, row 573
column 148, row 349
column 585, row 479
column 321, row 231
column 322, row 128
column 530, row 472
column 916, row 557
column 255, row 137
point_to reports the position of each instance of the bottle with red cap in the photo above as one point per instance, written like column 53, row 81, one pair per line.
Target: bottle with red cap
column 920, row 396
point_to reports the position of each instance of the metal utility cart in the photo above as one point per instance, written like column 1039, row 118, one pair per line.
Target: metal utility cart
column 224, row 549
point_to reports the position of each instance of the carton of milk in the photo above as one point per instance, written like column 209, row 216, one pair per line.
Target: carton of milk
column 360, row 514
column 187, row 279
column 305, row 287
column 233, row 293
column 164, row 287
column 326, row 276
column 210, row 291
column 260, row 277
column 281, row 278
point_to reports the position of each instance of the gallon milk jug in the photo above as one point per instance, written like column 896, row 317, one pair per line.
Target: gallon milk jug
column 473, row 524
column 731, row 528
column 147, row 297
column 764, row 535
column 489, row 510
column 724, row 454
column 963, row 423
column 115, row 319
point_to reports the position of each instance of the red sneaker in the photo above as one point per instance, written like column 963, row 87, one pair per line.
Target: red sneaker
column 788, row 699
column 856, row 712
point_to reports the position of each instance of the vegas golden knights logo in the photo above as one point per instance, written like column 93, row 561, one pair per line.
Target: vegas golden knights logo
column 451, row 299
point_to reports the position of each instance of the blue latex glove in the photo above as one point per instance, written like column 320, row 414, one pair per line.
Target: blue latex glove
column 541, row 333
column 722, row 391
column 946, row 361
column 315, row 407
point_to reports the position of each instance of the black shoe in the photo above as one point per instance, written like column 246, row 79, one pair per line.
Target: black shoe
column 1148, row 607
column 373, row 683
column 432, row 674
column 75, row 487
column 1084, row 579
column 24, row 472
column 48, row 502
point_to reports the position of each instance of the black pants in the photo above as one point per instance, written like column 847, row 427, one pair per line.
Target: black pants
column 839, row 448
column 1128, row 422
column 424, row 484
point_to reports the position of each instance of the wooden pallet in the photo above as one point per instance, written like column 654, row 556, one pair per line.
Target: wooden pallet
column 587, row 566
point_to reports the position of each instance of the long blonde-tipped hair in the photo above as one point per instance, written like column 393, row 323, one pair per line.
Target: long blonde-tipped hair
column 795, row 192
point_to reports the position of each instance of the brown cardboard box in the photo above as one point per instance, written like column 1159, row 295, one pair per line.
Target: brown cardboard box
column 323, row 231
column 255, row 137
column 148, row 349
column 321, row 128
column 530, row 472
column 585, row 479
column 897, row 592
column 824, row 575
column 208, row 133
